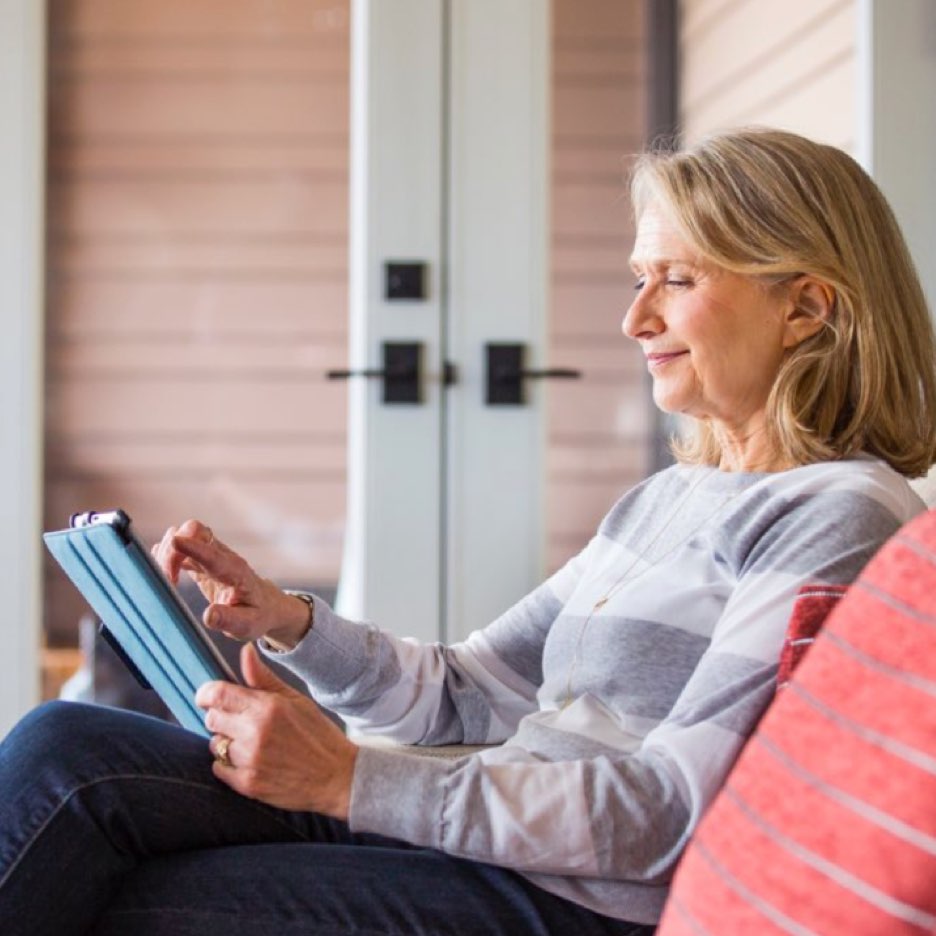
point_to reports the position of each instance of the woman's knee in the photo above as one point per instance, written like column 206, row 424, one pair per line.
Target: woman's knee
column 85, row 739
column 51, row 726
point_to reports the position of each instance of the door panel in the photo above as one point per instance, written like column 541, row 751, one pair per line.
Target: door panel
column 498, row 254
column 393, row 560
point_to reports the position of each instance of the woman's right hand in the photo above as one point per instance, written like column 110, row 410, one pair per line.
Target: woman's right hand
column 241, row 603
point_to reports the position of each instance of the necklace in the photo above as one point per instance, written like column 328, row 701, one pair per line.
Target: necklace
column 626, row 578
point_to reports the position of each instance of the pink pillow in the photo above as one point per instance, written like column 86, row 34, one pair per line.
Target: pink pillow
column 827, row 823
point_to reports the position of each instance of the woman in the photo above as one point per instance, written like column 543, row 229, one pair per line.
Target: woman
column 779, row 311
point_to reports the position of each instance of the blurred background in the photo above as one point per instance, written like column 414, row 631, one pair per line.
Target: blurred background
column 179, row 259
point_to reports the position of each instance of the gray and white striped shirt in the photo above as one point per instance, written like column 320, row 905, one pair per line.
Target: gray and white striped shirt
column 615, row 727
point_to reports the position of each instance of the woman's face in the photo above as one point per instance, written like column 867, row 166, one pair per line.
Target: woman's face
column 713, row 340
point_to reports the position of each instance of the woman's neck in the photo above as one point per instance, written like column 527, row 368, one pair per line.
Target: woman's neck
column 749, row 451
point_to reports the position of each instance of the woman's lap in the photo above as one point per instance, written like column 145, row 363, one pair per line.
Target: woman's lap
column 337, row 889
column 103, row 812
column 86, row 793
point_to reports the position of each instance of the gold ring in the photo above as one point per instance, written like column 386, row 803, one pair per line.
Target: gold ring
column 221, row 751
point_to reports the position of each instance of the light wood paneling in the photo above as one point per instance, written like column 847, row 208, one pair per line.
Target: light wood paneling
column 785, row 63
column 198, row 192
column 194, row 22
column 235, row 404
column 222, row 310
column 599, row 427
column 197, row 274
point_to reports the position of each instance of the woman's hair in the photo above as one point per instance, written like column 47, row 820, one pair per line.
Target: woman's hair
column 775, row 205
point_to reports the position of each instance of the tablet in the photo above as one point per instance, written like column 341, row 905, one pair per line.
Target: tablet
column 142, row 615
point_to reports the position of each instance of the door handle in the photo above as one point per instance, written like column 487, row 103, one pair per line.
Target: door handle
column 506, row 374
column 401, row 372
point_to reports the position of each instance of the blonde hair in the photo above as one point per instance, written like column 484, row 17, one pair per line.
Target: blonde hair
column 775, row 205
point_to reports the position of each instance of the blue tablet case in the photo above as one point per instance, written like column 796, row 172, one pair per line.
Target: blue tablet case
column 145, row 617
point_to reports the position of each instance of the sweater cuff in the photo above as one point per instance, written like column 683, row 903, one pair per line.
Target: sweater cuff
column 399, row 795
column 330, row 654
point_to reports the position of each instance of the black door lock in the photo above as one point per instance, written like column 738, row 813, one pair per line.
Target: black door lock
column 401, row 372
column 506, row 374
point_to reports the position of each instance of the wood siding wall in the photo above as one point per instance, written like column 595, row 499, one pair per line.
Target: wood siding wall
column 198, row 183
column 600, row 429
column 785, row 63
column 197, row 273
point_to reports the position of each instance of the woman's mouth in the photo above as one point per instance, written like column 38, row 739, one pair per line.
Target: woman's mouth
column 661, row 359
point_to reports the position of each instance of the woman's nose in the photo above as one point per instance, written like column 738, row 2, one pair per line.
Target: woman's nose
column 641, row 320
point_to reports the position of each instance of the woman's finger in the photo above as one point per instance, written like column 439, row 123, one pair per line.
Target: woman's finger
column 242, row 622
column 220, row 696
column 208, row 556
column 165, row 551
column 162, row 549
column 229, row 724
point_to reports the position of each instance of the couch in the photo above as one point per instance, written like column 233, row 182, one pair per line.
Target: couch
column 827, row 823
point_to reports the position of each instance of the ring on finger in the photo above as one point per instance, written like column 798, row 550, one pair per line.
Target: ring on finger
column 221, row 750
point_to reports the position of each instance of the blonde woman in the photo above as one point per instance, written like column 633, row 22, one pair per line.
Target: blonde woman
column 779, row 313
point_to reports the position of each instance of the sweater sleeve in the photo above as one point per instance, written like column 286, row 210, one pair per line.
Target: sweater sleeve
column 472, row 692
column 627, row 814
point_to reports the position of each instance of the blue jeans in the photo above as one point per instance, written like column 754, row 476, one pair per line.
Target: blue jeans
column 113, row 823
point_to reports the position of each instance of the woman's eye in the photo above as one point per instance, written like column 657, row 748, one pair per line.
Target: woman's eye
column 676, row 281
column 639, row 284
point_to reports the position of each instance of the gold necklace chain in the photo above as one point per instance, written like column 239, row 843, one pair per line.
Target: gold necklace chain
column 626, row 578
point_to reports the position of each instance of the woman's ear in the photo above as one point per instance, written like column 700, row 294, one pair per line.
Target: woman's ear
column 811, row 302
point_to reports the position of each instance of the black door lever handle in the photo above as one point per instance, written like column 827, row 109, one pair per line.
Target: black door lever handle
column 396, row 374
column 401, row 373
column 565, row 373
column 506, row 373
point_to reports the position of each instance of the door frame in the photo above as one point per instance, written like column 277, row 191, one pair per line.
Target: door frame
column 22, row 167
column 897, row 136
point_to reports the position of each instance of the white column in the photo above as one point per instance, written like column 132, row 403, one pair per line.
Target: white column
column 897, row 118
column 22, row 111
column 498, row 287
column 391, row 570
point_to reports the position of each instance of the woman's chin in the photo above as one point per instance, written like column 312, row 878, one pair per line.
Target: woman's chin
column 664, row 399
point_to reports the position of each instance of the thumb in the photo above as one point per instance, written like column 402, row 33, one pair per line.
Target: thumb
column 257, row 674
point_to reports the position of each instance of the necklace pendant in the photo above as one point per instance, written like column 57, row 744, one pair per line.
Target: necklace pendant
column 600, row 603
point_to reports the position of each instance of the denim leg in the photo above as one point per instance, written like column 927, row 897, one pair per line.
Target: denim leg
column 336, row 890
column 113, row 823
column 87, row 793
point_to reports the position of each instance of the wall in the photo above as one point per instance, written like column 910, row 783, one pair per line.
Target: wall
column 599, row 428
column 785, row 63
column 197, row 274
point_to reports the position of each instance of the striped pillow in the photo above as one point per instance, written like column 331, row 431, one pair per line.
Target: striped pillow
column 827, row 824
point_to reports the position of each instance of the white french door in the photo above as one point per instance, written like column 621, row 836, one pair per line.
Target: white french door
column 450, row 144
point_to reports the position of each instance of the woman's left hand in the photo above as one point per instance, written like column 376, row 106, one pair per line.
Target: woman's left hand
column 281, row 748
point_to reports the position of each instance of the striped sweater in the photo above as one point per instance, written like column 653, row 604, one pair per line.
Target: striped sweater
column 616, row 726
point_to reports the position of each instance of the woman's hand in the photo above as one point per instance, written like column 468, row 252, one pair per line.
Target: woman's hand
column 281, row 749
column 241, row 603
